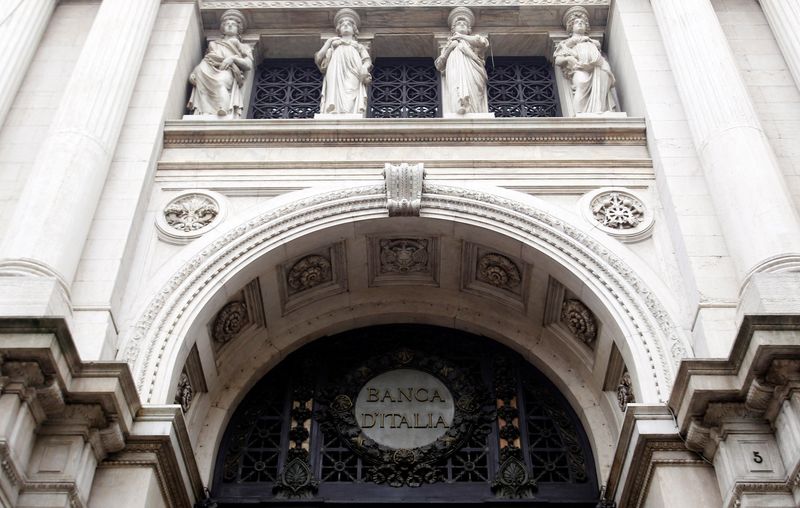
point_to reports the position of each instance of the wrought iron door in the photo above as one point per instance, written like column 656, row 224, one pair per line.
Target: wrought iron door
column 294, row 438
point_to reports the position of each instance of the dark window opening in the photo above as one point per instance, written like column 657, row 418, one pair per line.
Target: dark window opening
column 286, row 89
column 521, row 87
column 404, row 88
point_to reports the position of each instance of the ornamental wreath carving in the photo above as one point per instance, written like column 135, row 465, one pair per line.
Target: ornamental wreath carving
column 473, row 414
column 229, row 322
column 618, row 210
column 580, row 321
column 309, row 272
column 498, row 271
column 191, row 213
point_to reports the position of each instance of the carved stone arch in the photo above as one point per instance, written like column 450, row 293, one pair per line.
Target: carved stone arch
column 626, row 288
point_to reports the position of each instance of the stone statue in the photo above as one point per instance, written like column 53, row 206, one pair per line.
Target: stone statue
column 463, row 66
column 218, row 79
column 346, row 65
column 584, row 66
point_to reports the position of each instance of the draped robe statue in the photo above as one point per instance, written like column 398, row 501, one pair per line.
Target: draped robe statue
column 219, row 78
column 463, row 67
column 346, row 65
column 585, row 67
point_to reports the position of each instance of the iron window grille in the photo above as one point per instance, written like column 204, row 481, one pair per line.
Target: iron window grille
column 521, row 87
column 286, row 89
column 404, row 88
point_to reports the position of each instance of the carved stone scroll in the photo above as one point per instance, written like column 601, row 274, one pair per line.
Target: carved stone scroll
column 403, row 189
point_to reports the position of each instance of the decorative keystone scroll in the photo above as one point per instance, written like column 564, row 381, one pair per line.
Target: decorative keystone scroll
column 403, row 189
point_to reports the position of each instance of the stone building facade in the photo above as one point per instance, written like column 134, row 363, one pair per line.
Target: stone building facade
column 628, row 276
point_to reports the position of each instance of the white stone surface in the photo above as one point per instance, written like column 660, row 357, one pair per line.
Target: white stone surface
column 729, row 137
column 22, row 26
column 66, row 181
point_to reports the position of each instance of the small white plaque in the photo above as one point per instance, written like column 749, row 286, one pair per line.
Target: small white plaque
column 404, row 409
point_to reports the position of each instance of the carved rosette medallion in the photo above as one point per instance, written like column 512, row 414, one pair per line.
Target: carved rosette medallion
column 190, row 215
column 618, row 213
column 580, row 321
column 229, row 322
column 309, row 272
column 472, row 416
column 618, row 210
column 185, row 392
column 404, row 255
column 499, row 271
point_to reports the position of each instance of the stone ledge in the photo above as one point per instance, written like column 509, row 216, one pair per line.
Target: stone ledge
column 378, row 131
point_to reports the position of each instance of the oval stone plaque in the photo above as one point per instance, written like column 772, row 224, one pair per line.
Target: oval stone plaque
column 404, row 409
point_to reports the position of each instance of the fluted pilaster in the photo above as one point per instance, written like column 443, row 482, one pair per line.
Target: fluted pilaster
column 54, row 212
column 783, row 17
column 759, row 221
column 22, row 30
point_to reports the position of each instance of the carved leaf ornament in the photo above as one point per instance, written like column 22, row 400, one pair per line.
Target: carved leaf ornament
column 191, row 212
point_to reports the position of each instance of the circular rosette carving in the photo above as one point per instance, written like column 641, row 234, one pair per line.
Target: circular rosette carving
column 499, row 271
column 618, row 213
column 580, row 321
column 309, row 272
column 189, row 215
column 617, row 210
column 229, row 322
column 472, row 417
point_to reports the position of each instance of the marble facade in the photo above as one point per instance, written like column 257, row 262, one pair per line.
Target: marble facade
column 154, row 264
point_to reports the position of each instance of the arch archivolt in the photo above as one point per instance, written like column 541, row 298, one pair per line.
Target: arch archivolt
column 626, row 296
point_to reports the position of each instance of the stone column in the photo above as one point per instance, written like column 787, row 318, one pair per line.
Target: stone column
column 55, row 209
column 752, row 202
column 22, row 28
column 783, row 17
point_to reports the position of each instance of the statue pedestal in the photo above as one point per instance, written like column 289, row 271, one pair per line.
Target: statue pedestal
column 339, row 116
column 210, row 117
column 469, row 116
column 607, row 114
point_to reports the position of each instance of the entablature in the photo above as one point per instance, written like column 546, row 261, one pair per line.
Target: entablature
column 402, row 132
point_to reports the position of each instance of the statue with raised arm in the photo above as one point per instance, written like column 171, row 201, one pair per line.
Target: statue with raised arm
column 346, row 65
column 584, row 66
column 463, row 66
column 219, row 78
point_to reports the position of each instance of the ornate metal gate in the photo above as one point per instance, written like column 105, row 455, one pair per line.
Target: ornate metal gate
column 302, row 434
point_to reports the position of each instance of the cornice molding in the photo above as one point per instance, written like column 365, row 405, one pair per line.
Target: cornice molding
column 522, row 131
column 324, row 4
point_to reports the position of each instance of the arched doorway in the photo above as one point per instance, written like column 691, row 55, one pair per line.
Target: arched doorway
column 405, row 414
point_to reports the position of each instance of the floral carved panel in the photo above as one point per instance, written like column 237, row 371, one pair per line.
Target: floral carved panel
column 495, row 274
column 403, row 260
column 312, row 276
